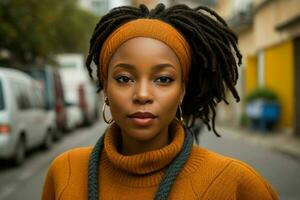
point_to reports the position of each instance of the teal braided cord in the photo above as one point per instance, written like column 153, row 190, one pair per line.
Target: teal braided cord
column 93, row 172
column 175, row 167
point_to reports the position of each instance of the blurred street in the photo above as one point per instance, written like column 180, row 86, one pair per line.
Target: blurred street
column 279, row 169
column 278, row 166
column 47, row 98
column 26, row 182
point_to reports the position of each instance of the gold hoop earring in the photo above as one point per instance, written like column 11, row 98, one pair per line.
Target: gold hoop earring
column 180, row 115
column 103, row 112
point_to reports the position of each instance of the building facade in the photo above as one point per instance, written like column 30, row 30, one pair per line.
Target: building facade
column 269, row 34
column 269, row 39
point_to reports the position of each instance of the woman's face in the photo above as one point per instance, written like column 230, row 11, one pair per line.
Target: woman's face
column 144, row 75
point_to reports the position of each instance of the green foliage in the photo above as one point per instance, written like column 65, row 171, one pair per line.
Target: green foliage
column 34, row 30
column 263, row 93
column 73, row 29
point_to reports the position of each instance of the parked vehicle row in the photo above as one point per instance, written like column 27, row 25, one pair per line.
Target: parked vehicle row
column 76, row 81
column 53, row 95
column 34, row 110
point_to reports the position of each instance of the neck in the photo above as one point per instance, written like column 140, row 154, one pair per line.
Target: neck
column 132, row 146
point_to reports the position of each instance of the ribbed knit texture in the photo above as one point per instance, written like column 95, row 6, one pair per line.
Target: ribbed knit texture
column 165, row 185
column 175, row 168
column 206, row 175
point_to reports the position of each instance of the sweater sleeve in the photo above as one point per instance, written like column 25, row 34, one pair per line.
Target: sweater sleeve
column 57, row 177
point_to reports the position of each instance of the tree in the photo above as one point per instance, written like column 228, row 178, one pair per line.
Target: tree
column 73, row 29
column 32, row 31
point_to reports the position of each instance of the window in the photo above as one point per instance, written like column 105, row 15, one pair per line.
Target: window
column 37, row 97
column 21, row 93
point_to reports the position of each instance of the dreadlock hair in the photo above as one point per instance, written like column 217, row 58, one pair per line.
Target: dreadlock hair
column 215, row 55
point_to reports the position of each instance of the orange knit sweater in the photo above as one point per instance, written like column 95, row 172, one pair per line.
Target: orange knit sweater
column 206, row 175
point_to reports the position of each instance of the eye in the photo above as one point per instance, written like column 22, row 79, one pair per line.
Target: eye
column 122, row 79
column 165, row 79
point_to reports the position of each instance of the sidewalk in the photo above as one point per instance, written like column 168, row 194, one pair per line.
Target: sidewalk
column 278, row 141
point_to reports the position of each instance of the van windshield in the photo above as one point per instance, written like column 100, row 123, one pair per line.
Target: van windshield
column 1, row 97
column 40, row 75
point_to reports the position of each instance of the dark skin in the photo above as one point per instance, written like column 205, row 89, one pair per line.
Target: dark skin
column 144, row 75
column 216, row 57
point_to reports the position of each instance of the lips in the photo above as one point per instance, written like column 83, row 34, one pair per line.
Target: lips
column 142, row 115
column 142, row 118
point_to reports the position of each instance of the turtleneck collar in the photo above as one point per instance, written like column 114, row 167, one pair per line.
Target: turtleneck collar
column 147, row 162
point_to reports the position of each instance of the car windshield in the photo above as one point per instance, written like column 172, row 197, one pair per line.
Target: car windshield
column 37, row 74
column 41, row 77
column 1, row 97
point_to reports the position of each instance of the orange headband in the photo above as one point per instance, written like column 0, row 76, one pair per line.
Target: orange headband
column 151, row 28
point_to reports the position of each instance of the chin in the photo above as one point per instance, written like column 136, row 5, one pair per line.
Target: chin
column 141, row 134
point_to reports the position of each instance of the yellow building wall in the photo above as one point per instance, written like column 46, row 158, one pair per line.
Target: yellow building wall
column 269, row 17
column 250, row 74
column 279, row 75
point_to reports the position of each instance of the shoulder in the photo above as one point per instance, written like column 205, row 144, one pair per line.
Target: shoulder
column 221, row 163
column 71, row 156
column 70, row 161
column 240, row 178
column 249, row 181
column 209, row 160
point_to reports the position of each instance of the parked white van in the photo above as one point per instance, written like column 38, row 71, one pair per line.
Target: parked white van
column 80, row 92
column 24, row 122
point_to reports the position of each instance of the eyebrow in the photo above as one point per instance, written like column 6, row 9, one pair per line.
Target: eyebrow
column 154, row 68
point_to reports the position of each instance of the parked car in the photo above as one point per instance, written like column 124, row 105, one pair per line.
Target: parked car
column 24, row 122
column 88, row 103
column 74, row 118
column 80, row 91
column 53, row 95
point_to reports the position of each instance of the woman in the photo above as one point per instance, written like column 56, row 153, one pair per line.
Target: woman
column 154, row 68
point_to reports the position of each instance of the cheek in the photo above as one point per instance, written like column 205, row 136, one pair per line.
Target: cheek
column 169, row 101
column 116, row 99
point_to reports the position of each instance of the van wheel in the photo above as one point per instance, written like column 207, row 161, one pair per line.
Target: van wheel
column 20, row 153
column 48, row 141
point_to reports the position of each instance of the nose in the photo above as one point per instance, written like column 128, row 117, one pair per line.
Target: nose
column 143, row 92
